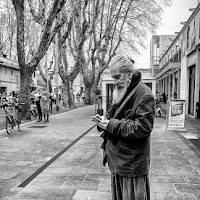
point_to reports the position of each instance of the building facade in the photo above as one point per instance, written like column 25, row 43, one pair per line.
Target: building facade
column 158, row 45
column 179, row 67
column 9, row 76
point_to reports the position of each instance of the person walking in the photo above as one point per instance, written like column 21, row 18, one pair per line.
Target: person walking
column 45, row 106
column 39, row 110
column 126, row 132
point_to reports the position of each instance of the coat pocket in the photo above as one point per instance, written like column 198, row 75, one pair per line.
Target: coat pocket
column 124, row 148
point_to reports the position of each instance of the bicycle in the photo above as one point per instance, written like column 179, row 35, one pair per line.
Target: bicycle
column 159, row 112
column 13, row 118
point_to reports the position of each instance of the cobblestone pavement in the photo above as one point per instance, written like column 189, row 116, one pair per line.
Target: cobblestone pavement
column 77, row 173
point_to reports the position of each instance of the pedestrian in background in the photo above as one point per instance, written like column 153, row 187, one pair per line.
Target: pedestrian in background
column 50, row 103
column 126, row 132
column 33, row 109
column 175, row 95
column 78, row 97
column 164, row 97
column 83, row 97
column 39, row 110
column 45, row 106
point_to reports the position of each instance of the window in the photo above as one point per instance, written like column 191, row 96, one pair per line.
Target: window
column 5, row 70
column 11, row 71
column 17, row 79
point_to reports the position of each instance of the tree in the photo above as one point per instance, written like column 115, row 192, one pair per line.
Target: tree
column 115, row 26
column 49, row 31
column 67, row 78
column 72, row 49
column 8, row 30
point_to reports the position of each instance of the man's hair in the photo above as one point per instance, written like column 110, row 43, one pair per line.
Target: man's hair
column 123, row 64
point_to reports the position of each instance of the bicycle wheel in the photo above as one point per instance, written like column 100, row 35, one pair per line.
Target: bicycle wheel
column 9, row 126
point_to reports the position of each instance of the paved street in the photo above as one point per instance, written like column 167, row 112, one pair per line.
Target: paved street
column 70, row 169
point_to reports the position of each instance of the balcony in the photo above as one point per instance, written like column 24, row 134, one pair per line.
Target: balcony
column 169, row 69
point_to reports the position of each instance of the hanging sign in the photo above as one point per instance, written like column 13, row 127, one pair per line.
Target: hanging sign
column 176, row 115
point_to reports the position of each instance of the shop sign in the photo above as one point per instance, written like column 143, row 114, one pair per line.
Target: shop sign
column 176, row 115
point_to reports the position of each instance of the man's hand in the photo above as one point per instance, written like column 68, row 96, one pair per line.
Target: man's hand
column 103, row 124
column 101, row 121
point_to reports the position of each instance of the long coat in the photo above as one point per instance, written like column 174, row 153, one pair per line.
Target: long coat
column 45, row 102
column 127, row 138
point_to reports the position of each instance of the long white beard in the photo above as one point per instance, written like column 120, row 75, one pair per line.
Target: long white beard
column 118, row 94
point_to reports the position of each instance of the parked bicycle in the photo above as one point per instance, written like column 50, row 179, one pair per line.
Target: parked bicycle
column 13, row 117
column 159, row 112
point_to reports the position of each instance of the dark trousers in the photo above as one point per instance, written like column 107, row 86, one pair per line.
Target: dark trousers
column 40, row 114
column 130, row 188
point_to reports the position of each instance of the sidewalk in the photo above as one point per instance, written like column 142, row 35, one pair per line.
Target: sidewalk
column 78, row 173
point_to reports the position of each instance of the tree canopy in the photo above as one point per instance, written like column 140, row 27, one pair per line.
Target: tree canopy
column 90, row 33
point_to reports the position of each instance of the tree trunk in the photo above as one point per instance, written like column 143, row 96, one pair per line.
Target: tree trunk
column 68, row 97
column 88, row 96
column 24, row 98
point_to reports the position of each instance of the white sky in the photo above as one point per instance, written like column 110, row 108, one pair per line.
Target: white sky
column 172, row 16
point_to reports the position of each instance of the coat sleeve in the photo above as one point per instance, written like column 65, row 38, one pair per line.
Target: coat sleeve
column 108, row 115
column 139, row 125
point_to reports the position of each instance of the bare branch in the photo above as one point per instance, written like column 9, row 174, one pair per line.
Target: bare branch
column 37, row 16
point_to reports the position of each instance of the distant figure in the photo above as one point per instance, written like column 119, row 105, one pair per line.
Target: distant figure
column 78, row 97
column 175, row 95
column 45, row 106
column 164, row 97
column 50, row 103
column 33, row 108
column 37, row 101
column 83, row 97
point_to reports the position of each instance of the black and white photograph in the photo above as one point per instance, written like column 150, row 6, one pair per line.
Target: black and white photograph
column 99, row 99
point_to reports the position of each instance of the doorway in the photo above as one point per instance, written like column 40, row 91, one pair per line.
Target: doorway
column 191, row 90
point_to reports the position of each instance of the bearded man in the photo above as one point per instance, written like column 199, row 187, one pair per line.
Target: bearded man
column 126, row 132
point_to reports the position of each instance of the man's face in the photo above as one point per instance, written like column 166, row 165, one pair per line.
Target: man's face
column 120, row 79
column 121, row 82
